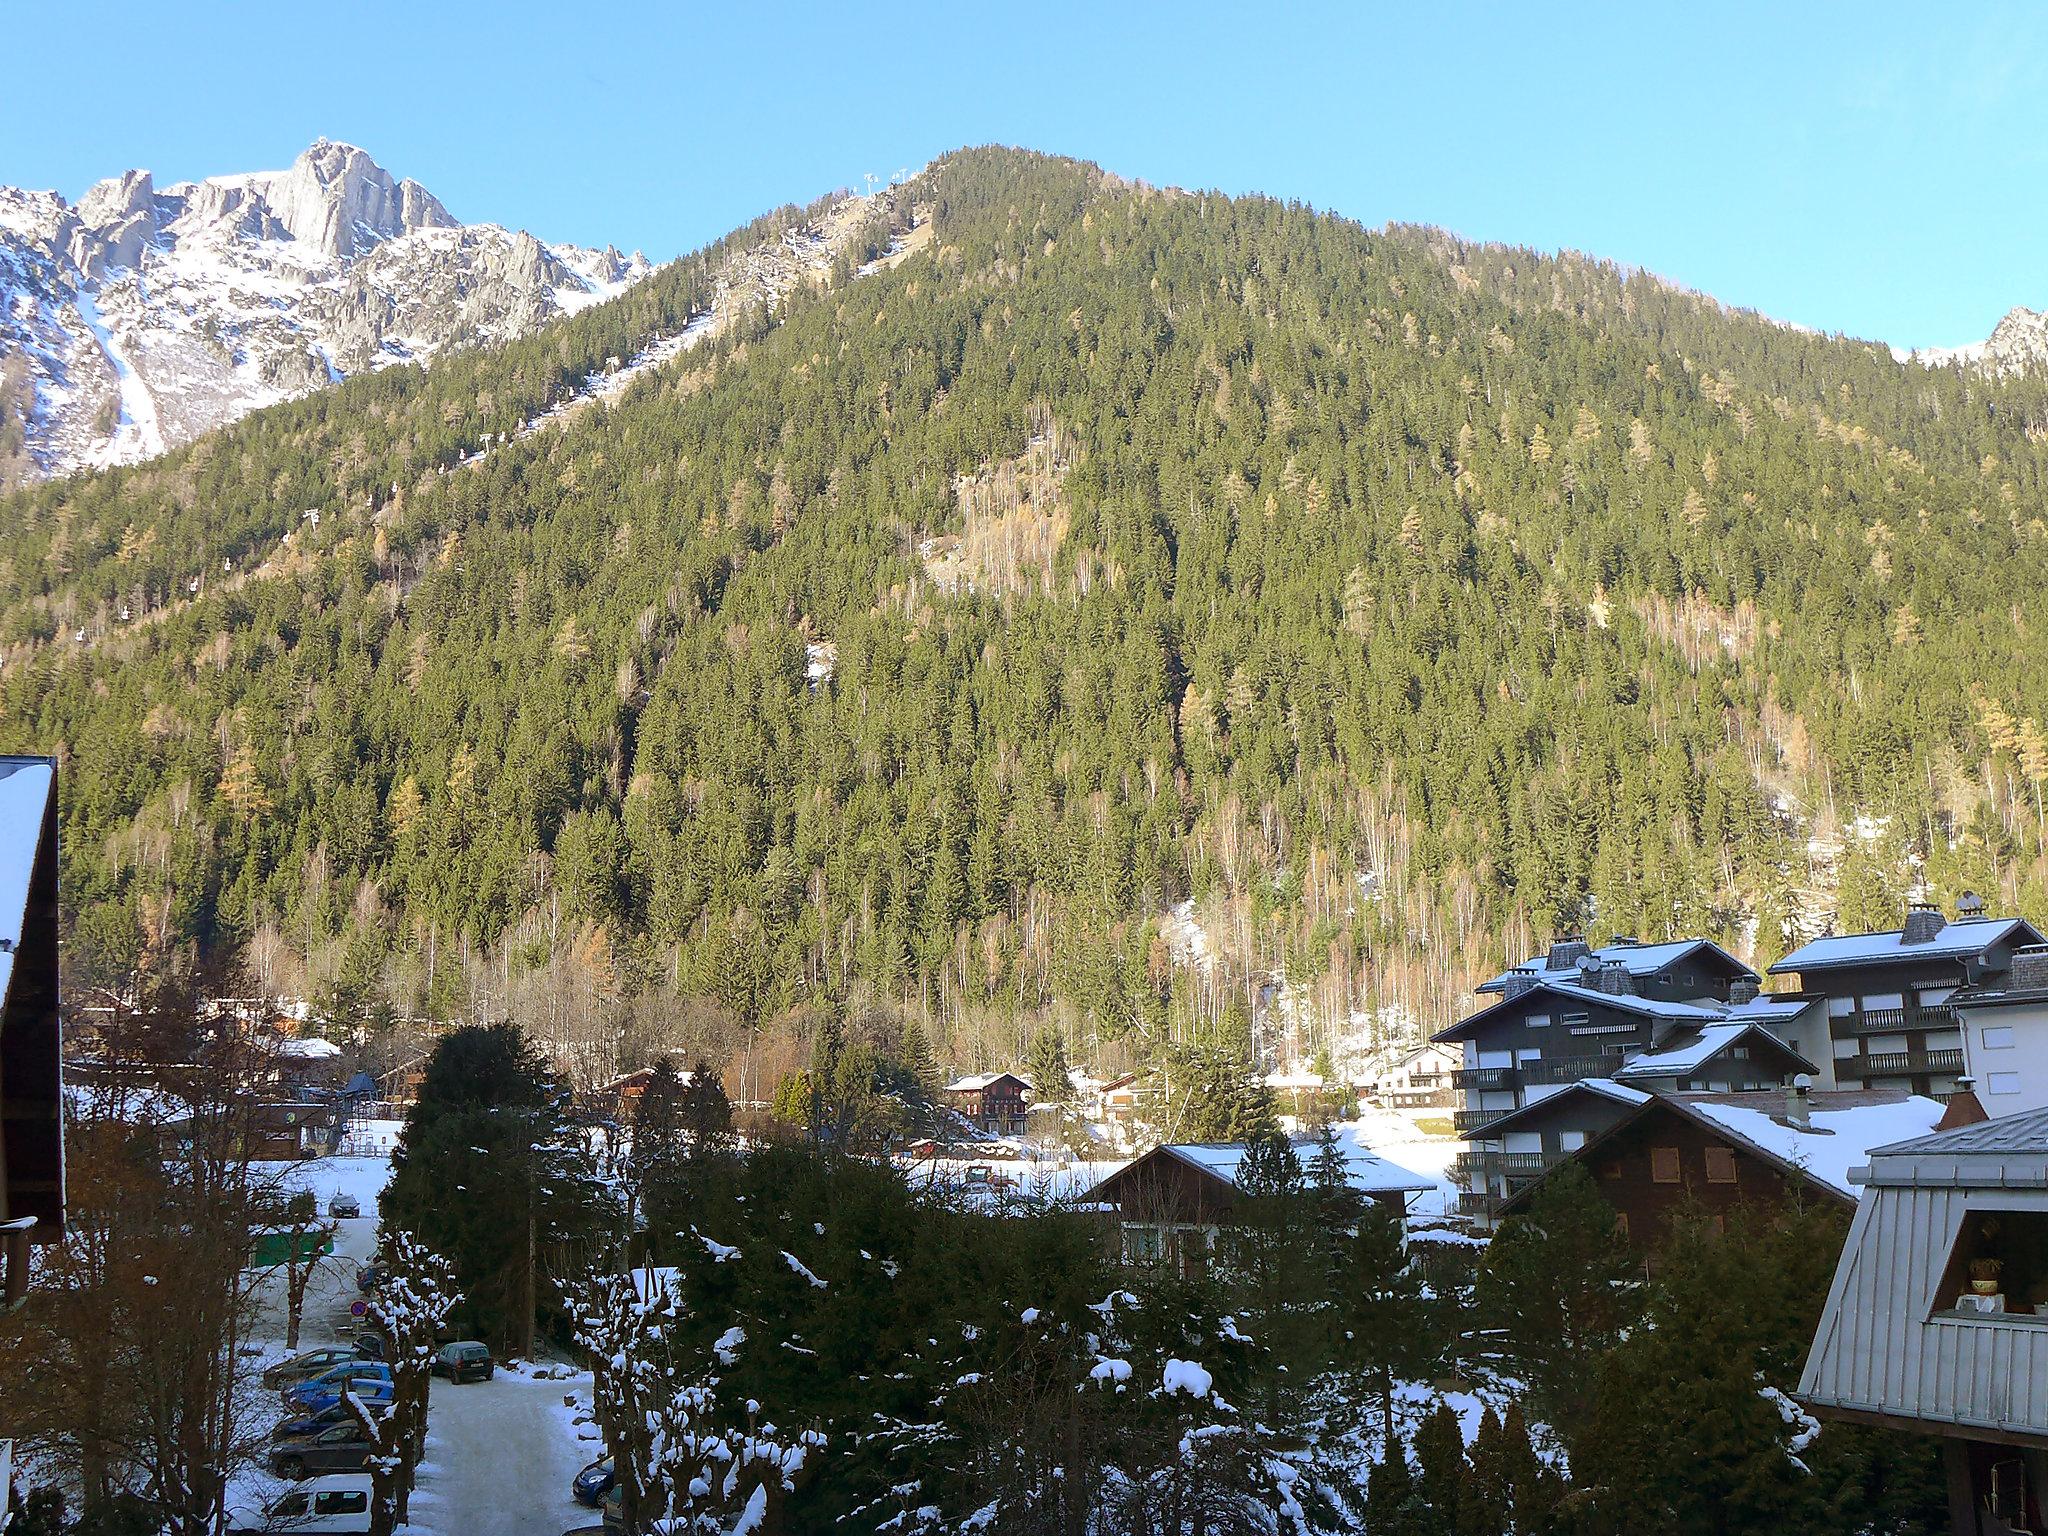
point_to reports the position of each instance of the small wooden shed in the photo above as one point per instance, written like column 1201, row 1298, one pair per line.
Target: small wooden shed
column 1937, row 1320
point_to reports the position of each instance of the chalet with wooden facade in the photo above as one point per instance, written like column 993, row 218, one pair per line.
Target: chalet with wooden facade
column 1171, row 1203
column 31, row 1073
column 1890, row 996
column 1680, row 1017
column 995, row 1102
column 1937, row 1321
column 1715, row 1151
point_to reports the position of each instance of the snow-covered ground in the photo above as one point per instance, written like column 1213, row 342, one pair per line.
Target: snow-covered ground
column 1396, row 1137
column 501, row 1454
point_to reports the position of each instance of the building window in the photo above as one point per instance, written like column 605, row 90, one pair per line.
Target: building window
column 1720, row 1165
column 1841, row 1007
column 1872, row 1001
column 1998, row 1037
column 1999, row 1265
column 1574, row 1020
column 1611, row 1169
column 1537, row 1021
column 1621, row 1225
column 1664, row 1165
column 2002, row 1082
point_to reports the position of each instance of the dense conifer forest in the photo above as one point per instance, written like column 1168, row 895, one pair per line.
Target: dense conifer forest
column 1398, row 601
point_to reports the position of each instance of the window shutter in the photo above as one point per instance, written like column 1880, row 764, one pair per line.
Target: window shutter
column 1664, row 1165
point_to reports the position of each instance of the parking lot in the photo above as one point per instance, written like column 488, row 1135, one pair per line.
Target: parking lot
column 500, row 1453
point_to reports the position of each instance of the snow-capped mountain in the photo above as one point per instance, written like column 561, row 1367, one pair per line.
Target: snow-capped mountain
column 2018, row 344
column 143, row 316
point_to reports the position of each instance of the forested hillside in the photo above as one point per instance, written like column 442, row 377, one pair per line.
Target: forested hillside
column 1396, row 600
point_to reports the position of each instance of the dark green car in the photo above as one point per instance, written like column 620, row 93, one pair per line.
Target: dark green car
column 465, row 1360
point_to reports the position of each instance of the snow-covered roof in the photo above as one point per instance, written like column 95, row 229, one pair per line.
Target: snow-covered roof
column 1833, row 1142
column 1364, row 1169
column 980, row 1080
column 1637, row 959
column 305, row 1048
column 1765, row 1008
column 1704, row 1012
column 25, row 787
column 1551, row 1103
column 1962, row 939
column 1703, row 1047
column 2025, row 1132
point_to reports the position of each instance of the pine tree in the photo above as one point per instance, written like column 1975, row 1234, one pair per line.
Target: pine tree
column 1382, row 1308
column 1440, row 1470
column 1046, row 1067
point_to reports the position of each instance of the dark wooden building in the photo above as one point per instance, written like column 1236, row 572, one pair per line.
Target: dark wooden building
column 1888, row 995
column 994, row 1102
column 1715, row 1151
column 31, row 1071
column 1171, row 1203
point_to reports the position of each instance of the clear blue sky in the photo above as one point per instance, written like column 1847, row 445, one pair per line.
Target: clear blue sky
column 1856, row 167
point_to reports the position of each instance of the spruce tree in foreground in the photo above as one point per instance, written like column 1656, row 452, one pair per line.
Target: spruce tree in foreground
column 490, row 1173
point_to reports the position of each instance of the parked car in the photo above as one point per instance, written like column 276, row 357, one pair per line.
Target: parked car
column 336, row 1505
column 345, row 1206
column 305, row 1366
column 368, row 1379
column 591, row 1484
column 464, row 1360
column 342, row 1447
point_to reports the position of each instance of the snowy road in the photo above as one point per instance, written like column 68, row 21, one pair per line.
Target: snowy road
column 500, row 1455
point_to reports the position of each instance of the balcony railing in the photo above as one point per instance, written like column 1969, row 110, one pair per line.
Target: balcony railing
column 1469, row 1122
column 1484, row 1079
column 1470, row 1204
column 1512, row 1165
column 1899, row 1063
column 1892, row 1021
column 1568, row 1069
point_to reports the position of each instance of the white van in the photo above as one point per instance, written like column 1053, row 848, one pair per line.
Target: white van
column 339, row 1502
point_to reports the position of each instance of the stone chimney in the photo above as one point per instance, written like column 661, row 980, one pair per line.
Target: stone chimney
column 1797, row 1094
column 1963, row 1107
column 2029, row 968
column 1518, row 982
column 1923, row 922
column 1969, row 907
column 1742, row 991
column 1567, row 952
column 1615, row 980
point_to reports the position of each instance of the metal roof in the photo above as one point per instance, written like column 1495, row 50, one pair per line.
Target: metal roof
column 1962, row 939
column 2024, row 1132
column 1637, row 959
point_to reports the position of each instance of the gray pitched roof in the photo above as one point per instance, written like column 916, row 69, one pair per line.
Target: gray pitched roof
column 1963, row 939
column 1637, row 959
column 2024, row 1132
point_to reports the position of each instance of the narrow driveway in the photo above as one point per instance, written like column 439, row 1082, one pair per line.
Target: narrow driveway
column 500, row 1455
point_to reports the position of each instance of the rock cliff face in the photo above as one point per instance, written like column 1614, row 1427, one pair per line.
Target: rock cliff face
column 2017, row 344
column 142, row 316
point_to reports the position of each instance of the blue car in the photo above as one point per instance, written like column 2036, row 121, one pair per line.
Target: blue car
column 593, row 1483
column 369, row 1379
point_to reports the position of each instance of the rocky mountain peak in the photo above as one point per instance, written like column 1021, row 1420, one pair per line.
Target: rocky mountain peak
column 339, row 201
column 142, row 315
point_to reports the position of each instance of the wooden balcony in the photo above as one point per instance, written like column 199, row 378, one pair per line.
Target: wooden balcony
column 1899, row 1064
column 1516, row 1166
column 1894, row 1021
column 1469, row 1122
column 1568, row 1069
column 1485, row 1079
